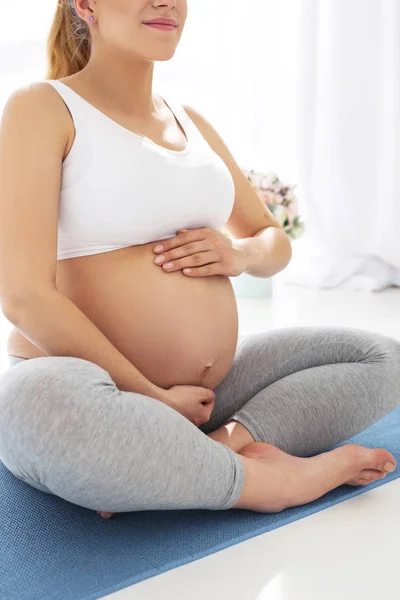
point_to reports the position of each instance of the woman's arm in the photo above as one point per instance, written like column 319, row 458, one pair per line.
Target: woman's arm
column 33, row 138
column 254, row 228
column 58, row 327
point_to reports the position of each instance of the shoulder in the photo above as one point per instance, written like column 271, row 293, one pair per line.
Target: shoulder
column 209, row 132
column 199, row 120
column 39, row 95
column 37, row 107
column 37, row 102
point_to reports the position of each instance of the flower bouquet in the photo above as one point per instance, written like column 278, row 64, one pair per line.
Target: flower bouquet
column 282, row 202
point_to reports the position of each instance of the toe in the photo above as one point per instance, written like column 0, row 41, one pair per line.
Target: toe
column 389, row 467
column 372, row 458
column 367, row 476
column 384, row 460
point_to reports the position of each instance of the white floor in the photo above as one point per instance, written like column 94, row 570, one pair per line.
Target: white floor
column 349, row 551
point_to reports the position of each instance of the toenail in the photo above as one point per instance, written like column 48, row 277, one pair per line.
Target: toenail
column 389, row 467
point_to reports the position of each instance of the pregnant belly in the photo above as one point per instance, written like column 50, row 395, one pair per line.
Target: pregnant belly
column 175, row 329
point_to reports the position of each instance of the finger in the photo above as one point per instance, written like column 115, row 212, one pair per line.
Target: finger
column 194, row 261
column 177, row 241
column 205, row 271
column 186, row 253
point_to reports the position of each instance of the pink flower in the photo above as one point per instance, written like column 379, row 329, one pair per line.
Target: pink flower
column 280, row 198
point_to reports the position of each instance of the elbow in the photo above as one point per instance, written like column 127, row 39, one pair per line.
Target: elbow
column 290, row 253
column 11, row 307
column 287, row 253
column 14, row 305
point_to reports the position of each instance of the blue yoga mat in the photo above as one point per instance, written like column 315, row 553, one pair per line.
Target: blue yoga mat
column 53, row 549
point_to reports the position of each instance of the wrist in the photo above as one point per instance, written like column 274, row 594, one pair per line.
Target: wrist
column 156, row 392
column 246, row 253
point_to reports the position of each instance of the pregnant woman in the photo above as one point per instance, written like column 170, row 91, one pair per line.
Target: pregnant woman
column 127, row 388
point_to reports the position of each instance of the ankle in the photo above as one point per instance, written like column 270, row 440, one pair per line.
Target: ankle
column 233, row 434
column 254, row 495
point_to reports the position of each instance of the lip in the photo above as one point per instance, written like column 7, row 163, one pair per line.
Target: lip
column 160, row 26
column 161, row 21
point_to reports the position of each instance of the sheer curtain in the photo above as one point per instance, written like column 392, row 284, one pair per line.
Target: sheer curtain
column 235, row 64
column 349, row 145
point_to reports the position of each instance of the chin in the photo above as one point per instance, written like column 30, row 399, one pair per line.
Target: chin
column 161, row 56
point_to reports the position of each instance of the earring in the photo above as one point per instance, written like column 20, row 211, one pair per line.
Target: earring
column 91, row 19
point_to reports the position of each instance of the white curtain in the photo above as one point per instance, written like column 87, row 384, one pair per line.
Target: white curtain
column 349, row 145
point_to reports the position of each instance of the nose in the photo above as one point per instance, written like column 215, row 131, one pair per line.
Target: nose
column 167, row 3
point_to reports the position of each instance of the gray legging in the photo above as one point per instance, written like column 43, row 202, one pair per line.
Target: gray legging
column 66, row 429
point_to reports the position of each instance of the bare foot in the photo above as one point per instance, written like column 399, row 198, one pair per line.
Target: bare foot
column 302, row 480
column 105, row 515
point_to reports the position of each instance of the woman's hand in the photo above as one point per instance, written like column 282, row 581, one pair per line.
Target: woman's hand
column 204, row 252
column 193, row 402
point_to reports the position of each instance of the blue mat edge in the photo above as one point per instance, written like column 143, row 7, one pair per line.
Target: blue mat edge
column 306, row 510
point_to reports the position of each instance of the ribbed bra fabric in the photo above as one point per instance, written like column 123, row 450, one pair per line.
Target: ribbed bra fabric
column 121, row 189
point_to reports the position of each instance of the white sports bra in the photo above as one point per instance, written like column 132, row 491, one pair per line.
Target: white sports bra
column 121, row 189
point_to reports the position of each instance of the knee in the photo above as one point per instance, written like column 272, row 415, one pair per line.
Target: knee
column 385, row 360
column 30, row 391
column 393, row 364
column 381, row 349
column 388, row 351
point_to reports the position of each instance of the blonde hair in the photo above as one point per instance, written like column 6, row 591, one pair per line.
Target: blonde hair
column 69, row 42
